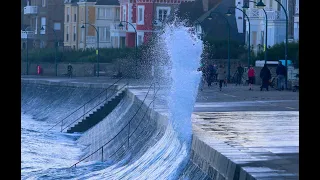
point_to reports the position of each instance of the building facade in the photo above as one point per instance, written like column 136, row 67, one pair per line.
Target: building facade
column 45, row 23
column 276, row 31
column 107, row 18
column 142, row 14
column 296, row 22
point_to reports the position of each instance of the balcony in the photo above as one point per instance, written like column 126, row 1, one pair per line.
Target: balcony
column 30, row 10
column 257, row 13
column 29, row 34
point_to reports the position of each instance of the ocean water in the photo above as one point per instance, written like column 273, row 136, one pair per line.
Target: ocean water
column 49, row 154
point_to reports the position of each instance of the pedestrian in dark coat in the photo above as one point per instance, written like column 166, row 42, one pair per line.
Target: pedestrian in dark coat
column 265, row 76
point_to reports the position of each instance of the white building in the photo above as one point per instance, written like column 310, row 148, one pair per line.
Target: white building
column 276, row 24
column 107, row 19
column 296, row 21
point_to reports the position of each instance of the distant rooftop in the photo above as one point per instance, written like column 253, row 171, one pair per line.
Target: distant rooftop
column 107, row 2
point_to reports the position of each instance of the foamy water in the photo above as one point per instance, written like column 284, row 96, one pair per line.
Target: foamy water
column 48, row 155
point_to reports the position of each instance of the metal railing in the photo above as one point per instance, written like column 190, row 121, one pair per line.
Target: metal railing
column 85, row 108
column 83, row 116
column 127, row 125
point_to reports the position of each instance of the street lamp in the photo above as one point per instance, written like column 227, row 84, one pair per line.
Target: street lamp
column 25, row 31
column 245, row 7
column 56, row 45
column 97, row 51
column 228, row 25
column 261, row 5
column 121, row 25
column 229, row 13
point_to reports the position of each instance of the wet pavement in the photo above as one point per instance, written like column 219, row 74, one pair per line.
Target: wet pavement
column 258, row 130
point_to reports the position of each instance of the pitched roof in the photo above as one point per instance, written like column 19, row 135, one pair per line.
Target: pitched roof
column 107, row 2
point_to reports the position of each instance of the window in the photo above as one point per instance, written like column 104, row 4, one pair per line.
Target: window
column 82, row 34
column 270, row 4
column 74, row 33
column 140, row 40
column 68, row 13
column 43, row 25
column 104, row 33
column 124, row 13
column 254, row 38
column 43, row 3
column 279, row 7
column 141, row 15
column 67, row 34
column 117, row 13
column 163, row 13
column 57, row 26
column 75, row 18
column 104, row 13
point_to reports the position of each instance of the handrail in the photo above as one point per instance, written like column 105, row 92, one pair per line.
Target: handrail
column 154, row 98
column 86, row 103
column 95, row 106
column 74, row 165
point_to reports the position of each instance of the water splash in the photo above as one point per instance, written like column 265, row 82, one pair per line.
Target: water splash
column 184, row 49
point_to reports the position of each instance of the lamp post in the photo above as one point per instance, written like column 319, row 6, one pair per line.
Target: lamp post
column 228, row 25
column 261, row 5
column 97, row 51
column 121, row 25
column 249, row 47
column 245, row 7
column 25, row 31
column 56, row 44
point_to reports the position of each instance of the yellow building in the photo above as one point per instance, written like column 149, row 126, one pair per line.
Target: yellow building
column 76, row 12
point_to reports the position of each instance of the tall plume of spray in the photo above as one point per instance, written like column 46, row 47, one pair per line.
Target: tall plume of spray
column 176, row 53
column 184, row 49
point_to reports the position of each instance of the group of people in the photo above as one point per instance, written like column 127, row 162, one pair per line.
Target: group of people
column 211, row 73
column 265, row 75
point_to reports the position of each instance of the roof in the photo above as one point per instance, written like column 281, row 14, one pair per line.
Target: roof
column 107, row 2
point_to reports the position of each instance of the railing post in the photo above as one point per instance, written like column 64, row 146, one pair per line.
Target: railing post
column 102, row 154
column 84, row 111
column 61, row 125
column 128, row 134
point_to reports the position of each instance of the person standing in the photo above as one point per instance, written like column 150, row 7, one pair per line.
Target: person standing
column 69, row 68
column 251, row 75
column 240, row 71
column 265, row 75
column 209, row 74
column 281, row 73
column 203, row 78
column 221, row 75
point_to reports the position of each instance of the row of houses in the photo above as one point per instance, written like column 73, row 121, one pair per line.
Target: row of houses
column 75, row 24
column 276, row 32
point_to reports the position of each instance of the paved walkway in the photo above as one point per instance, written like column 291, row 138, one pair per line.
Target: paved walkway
column 261, row 128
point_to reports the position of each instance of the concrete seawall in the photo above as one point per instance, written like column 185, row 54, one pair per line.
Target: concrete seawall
column 210, row 158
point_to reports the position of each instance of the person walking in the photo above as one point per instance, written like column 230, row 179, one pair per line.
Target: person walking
column 281, row 73
column 240, row 71
column 203, row 78
column 221, row 75
column 265, row 75
column 251, row 75
column 69, row 69
column 209, row 75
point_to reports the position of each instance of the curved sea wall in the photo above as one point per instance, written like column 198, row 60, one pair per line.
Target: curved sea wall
column 154, row 150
